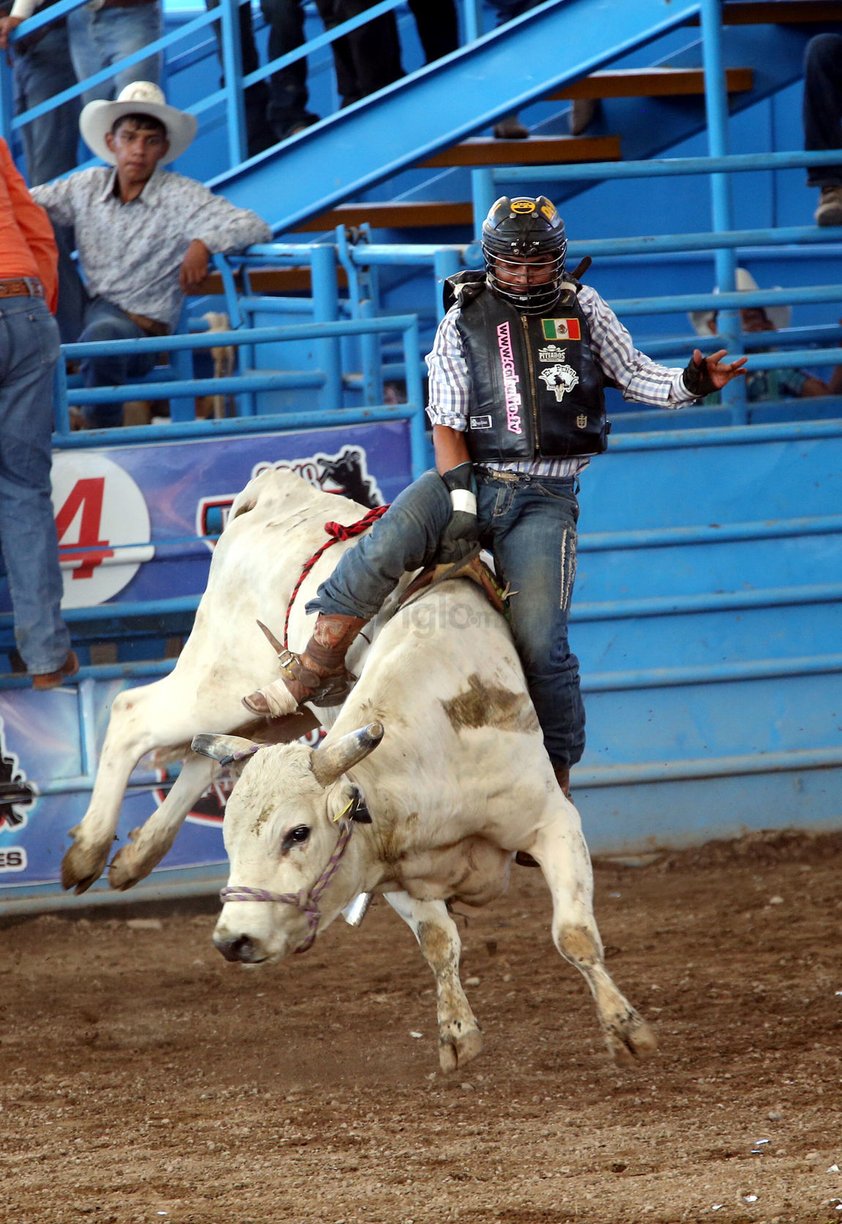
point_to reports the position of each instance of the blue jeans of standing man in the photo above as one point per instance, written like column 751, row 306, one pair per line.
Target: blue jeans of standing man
column 29, row 350
column 41, row 68
column 529, row 525
column 99, row 37
column 823, row 105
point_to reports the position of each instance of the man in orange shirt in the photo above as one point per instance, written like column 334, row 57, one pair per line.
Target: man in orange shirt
column 29, row 350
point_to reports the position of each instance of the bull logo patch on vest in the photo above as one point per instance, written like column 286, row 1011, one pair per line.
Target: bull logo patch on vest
column 559, row 378
column 561, row 329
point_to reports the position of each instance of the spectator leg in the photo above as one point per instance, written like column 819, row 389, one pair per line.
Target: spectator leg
column 105, row 321
column 259, row 133
column 288, row 95
column 823, row 105
column 101, row 37
column 51, row 142
column 438, row 26
column 28, row 354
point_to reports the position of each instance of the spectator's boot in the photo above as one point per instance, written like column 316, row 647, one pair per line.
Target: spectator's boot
column 829, row 211
column 317, row 675
column 562, row 774
column 510, row 128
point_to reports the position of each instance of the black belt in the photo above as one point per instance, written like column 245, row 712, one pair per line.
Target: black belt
column 23, row 286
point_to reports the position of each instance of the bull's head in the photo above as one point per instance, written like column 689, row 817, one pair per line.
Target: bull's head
column 285, row 833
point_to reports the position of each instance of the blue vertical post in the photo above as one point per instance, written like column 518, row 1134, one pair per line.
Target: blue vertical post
column 419, row 445
column 6, row 108
column 232, row 65
column 61, row 412
column 716, row 101
column 484, row 193
column 471, row 25
column 326, row 310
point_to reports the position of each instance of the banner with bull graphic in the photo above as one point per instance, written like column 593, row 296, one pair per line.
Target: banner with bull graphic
column 138, row 524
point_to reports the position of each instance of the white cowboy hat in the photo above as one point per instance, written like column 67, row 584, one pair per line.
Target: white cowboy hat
column 139, row 98
column 778, row 316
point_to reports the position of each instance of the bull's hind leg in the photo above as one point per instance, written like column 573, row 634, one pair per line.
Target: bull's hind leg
column 460, row 1039
column 563, row 856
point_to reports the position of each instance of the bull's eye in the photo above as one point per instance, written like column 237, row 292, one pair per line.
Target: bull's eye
column 295, row 837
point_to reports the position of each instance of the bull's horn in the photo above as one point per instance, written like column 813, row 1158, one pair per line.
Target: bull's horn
column 224, row 748
column 330, row 761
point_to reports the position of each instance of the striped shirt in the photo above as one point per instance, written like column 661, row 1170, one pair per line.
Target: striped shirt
column 640, row 380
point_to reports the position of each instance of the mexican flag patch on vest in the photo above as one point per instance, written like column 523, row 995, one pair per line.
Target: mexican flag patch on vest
column 561, row 329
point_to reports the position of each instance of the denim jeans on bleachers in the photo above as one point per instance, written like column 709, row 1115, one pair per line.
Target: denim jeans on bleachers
column 105, row 321
column 99, row 37
column 41, row 69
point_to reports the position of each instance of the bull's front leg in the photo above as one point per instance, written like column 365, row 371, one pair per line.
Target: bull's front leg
column 460, row 1038
column 561, row 851
column 148, row 844
column 126, row 741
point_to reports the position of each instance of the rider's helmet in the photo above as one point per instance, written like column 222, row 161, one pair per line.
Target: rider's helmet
column 524, row 244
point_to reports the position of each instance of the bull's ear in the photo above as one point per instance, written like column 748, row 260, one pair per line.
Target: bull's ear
column 331, row 760
column 224, row 748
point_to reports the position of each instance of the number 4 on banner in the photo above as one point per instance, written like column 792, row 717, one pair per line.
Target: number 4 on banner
column 85, row 503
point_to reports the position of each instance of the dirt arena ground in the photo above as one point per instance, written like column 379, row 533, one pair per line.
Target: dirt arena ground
column 145, row 1080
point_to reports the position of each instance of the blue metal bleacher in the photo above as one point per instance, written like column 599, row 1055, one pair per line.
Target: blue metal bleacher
column 708, row 587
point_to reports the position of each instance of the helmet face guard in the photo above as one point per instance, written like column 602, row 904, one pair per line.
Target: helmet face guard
column 524, row 244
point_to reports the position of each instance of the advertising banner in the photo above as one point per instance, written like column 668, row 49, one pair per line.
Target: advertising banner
column 136, row 524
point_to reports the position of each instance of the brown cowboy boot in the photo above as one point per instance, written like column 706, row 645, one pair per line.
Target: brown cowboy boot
column 562, row 773
column 317, row 675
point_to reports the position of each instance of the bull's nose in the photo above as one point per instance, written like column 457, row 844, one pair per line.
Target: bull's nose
column 238, row 948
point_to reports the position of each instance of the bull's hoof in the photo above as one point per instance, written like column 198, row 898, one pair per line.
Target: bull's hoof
column 456, row 1052
column 82, row 866
column 126, row 870
column 631, row 1042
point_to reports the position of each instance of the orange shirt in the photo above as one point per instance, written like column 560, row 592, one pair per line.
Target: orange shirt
column 27, row 243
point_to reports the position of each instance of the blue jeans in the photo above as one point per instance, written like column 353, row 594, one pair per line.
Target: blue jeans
column 29, row 350
column 530, row 527
column 100, row 37
column 105, row 321
column 40, row 71
column 823, row 105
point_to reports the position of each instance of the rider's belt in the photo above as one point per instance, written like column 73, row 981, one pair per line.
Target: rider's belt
column 151, row 326
column 501, row 474
column 22, row 286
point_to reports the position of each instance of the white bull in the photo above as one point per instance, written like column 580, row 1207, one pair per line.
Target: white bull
column 459, row 780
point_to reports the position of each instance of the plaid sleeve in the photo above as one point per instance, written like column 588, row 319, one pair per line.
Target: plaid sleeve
column 450, row 393
column 639, row 378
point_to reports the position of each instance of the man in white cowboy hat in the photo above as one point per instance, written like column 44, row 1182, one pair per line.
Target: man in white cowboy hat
column 144, row 235
column 786, row 383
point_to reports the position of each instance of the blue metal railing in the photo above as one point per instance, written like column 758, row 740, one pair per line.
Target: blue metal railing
column 231, row 94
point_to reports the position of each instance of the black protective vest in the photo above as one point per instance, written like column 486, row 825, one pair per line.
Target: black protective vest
column 537, row 390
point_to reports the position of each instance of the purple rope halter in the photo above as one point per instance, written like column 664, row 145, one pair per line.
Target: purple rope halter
column 307, row 900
